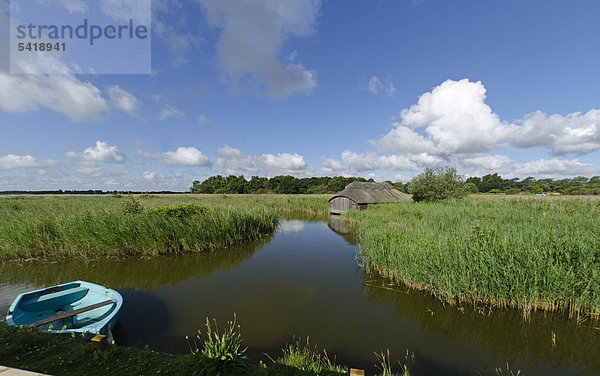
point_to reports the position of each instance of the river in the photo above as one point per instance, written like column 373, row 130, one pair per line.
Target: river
column 306, row 281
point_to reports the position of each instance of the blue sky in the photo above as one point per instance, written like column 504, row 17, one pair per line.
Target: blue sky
column 377, row 89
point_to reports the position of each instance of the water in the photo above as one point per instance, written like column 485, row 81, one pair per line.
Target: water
column 305, row 281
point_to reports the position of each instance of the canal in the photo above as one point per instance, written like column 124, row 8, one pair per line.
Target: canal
column 306, row 281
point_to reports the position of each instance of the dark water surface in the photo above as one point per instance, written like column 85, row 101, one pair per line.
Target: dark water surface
column 305, row 281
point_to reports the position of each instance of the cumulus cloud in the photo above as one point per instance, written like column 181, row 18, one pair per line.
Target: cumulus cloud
column 357, row 162
column 487, row 162
column 183, row 156
column 169, row 111
column 283, row 162
column 454, row 118
column 102, row 152
column 251, row 38
column 122, row 100
column 552, row 168
column 574, row 133
column 13, row 162
column 231, row 161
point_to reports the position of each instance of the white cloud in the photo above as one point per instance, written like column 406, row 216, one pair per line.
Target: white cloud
column 330, row 166
column 203, row 120
column 64, row 94
column 13, row 162
column 283, row 162
column 574, row 133
column 252, row 36
column 453, row 118
column 147, row 175
column 183, row 156
column 169, row 111
column 122, row 100
column 487, row 162
column 102, row 152
column 553, row 168
column 375, row 86
column 356, row 162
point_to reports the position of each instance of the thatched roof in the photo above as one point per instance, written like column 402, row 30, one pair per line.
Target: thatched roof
column 372, row 193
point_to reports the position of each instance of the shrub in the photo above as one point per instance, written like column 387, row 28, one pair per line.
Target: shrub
column 471, row 188
column 132, row 206
column 512, row 191
column 179, row 211
column 495, row 191
column 436, row 185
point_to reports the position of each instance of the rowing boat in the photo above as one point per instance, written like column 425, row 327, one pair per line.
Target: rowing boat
column 74, row 307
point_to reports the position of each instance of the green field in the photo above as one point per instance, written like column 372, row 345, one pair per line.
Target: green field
column 528, row 253
column 58, row 227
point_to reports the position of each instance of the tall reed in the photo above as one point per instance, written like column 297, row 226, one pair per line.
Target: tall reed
column 527, row 253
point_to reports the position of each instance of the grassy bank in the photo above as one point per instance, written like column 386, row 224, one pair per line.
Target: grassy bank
column 37, row 351
column 526, row 253
column 54, row 227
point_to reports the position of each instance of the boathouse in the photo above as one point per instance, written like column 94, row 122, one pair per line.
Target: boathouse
column 359, row 195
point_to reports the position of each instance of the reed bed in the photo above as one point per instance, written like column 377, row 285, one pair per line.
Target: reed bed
column 54, row 227
column 531, row 254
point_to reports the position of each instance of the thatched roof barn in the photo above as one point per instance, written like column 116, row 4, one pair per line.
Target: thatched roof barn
column 358, row 195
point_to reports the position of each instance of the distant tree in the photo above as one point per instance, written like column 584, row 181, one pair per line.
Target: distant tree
column 471, row 188
column 537, row 189
column 436, row 185
column 489, row 182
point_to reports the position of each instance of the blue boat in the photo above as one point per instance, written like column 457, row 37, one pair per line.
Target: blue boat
column 74, row 307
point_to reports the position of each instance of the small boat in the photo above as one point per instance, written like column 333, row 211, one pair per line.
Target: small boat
column 74, row 307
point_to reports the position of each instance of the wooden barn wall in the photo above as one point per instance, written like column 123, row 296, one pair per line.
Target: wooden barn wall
column 341, row 205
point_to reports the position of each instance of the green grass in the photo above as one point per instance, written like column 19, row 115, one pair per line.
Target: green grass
column 37, row 351
column 527, row 253
column 59, row 227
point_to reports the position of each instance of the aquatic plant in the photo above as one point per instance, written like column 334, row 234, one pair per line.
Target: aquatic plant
column 308, row 359
column 220, row 353
column 529, row 253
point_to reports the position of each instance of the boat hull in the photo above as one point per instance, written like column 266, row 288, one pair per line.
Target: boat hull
column 72, row 303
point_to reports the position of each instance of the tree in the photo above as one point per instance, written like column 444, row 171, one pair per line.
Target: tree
column 436, row 185
column 471, row 188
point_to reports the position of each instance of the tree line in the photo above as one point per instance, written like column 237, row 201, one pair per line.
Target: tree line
column 491, row 183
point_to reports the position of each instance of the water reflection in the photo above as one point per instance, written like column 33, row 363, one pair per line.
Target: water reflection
column 305, row 281
column 130, row 272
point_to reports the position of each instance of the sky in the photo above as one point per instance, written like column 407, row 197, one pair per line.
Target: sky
column 371, row 88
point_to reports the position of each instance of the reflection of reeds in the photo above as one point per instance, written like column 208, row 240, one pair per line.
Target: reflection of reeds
column 501, row 252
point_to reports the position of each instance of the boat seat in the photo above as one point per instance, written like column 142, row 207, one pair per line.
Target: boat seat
column 53, row 301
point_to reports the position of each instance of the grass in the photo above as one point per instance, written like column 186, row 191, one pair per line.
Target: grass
column 37, row 351
column 60, row 227
column 527, row 253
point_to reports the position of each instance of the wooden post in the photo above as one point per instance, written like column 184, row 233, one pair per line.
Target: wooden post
column 357, row 372
column 100, row 342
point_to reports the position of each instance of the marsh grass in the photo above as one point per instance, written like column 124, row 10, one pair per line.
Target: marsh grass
column 526, row 253
column 56, row 227
column 309, row 360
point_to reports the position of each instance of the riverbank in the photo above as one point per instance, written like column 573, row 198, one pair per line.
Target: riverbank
column 32, row 350
column 74, row 227
column 522, row 253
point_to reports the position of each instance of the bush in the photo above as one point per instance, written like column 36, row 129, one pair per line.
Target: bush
column 495, row 191
column 512, row 191
column 179, row 211
column 132, row 206
column 436, row 185
column 471, row 188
